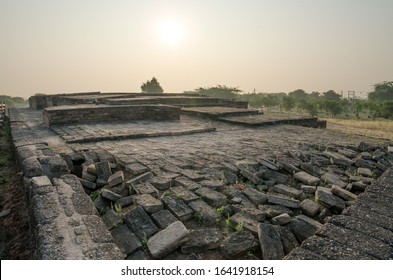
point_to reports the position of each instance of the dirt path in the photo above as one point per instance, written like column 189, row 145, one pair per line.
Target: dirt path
column 15, row 237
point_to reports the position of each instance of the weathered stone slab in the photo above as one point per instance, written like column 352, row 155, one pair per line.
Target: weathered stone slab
column 89, row 177
column 178, row 207
column 201, row 240
column 301, row 229
column 87, row 184
column 309, row 207
column 333, row 179
column 205, row 214
column 140, row 223
column 136, row 168
column 45, row 208
column 83, row 204
column 143, row 178
column 366, row 180
column 365, row 172
column 103, row 170
column 302, row 254
column 167, row 240
column 238, row 197
column 102, row 204
column 268, row 164
column 193, row 175
column 187, row 183
column 111, row 219
column 288, row 240
column 239, row 243
column 306, row 178
column 212, row 184
column 281, row 219
column 255, row 196
column 110, row 195
column 275, row 176
column 272, row 211
column 163, row 218
column 116, row 178
column 232, row 168
column 344, row 194
column 32, row 167
column 308, row 189
column 96, row 228
column 246, row 222
column 145, row 189
column 212, row 197
column 253, row 213
column 329, row 201
column 229, row 177
column 251, row 175
column 184, row 193
column 310, row 221
column 53, row 166
column 283, row 200
column 161, row 183
column 148, row 202
column 286, row 190
column 270, row 241
column 126, row 239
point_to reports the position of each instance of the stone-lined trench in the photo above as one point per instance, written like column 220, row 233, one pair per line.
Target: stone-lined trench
column 198, row 206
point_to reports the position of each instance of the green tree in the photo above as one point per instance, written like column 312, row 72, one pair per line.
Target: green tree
column 298, row 94
column 289, row 103
column 334, row 107
column 152, row 86
column 219, row 91
column 331, row 95
column 382, row 91
column 311, row 107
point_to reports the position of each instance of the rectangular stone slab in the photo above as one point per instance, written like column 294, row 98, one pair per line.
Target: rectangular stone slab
column 140, row 223
column 178, row 207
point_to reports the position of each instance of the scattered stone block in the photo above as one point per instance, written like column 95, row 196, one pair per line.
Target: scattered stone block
column 53, row 166
column 148, row 202
column 238, row 197
column 269, row 164
column 143, row 178
column 145, row 189
column 301, row 229
column 281, row 219
column 163, row 218
column 201, row 240
column 140, row 223
column 212, row 184
column 245, row 221
column 212, row 197
column 110, row 195
column 344, row 194
column 87, row 184
column 308, row 189
column 270, row 241
column 252, row 176
column 365, row 172
column 285, row 190
column 288, row 240
column 333, row 179
column 253, row 213
column 167, row 240
column 329, row 201
column 178, row 208
column 229, row 177
column 136, row 168
column 274, row 176
column 310, row 221
column 272, row 211
column 111, row 219
column 255, row 196
column 91, row 168
column 161, row 183
column 116, row 179
column 89, row 177
column 306, row 178
column 366, row 180
column 184, row 193
column 204, row 213
column 187, row 183
column 239, row 243
column 103, row 170
column 102, row 204
column 125, row 239
column 309, row 207
column 283, row 200
column 193, row 175
column 125, row 201
column 32, row 167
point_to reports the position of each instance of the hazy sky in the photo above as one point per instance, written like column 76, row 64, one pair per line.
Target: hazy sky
column 53, row 46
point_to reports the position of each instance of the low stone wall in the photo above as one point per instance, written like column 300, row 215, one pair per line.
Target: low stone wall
column 97, row 113
column 64, row 221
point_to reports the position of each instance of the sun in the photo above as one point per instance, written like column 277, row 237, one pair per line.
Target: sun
column 171, row 32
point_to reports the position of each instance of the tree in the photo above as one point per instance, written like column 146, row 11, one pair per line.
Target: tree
column 219, row 92
column 289, row 103
column 382, row 91
column 152, row 86
column 334, row 107
column 298, row 94
column 331, row 95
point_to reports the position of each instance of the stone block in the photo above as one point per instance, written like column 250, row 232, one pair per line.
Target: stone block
column 308, row 189
column 193, row 175
column 306, row 178
column 281, row 219
column 253, row 212
column 111, row 219
column 245, row 222
column 87, row 184
column 215, row 199
column 329, row 201
column 145, row 188
column 286, row 190
column 283, row 200
column 143, row 178
column 31, row 167
column 126, row 239
column 110, row 195
column 301, row 229
column 184, row 193
column 272, row 211
column 344, row 194
column 229, row 177
column 103, row 170
column 178, row 207
column 140, row 223
column 53, row 166
column 83, row 204
column 333, row 179
column 270, row 241
column 125, row 201
column 187, row 183
column 116, row 179
column 148, row 203
column 204, row 213
column 309, row 207
column 365, row 172
column 239, row 243
column 136, row 168
column 255, row 196
column 161, row 183
column 201, row 240
column 167, row 240
column 163, row 218
column 288, row 240
column 96, row 228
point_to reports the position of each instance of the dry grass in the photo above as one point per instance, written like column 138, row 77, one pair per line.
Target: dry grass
column 381, row 129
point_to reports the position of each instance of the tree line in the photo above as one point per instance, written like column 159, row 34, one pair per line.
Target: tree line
column 378, row 104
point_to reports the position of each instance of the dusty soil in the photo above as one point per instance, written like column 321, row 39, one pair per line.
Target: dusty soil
column 15, row 237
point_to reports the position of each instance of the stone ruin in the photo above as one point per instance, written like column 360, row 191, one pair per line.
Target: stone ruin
column 137, row 176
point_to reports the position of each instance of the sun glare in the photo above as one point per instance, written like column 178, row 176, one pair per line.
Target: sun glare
column 171, row 32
